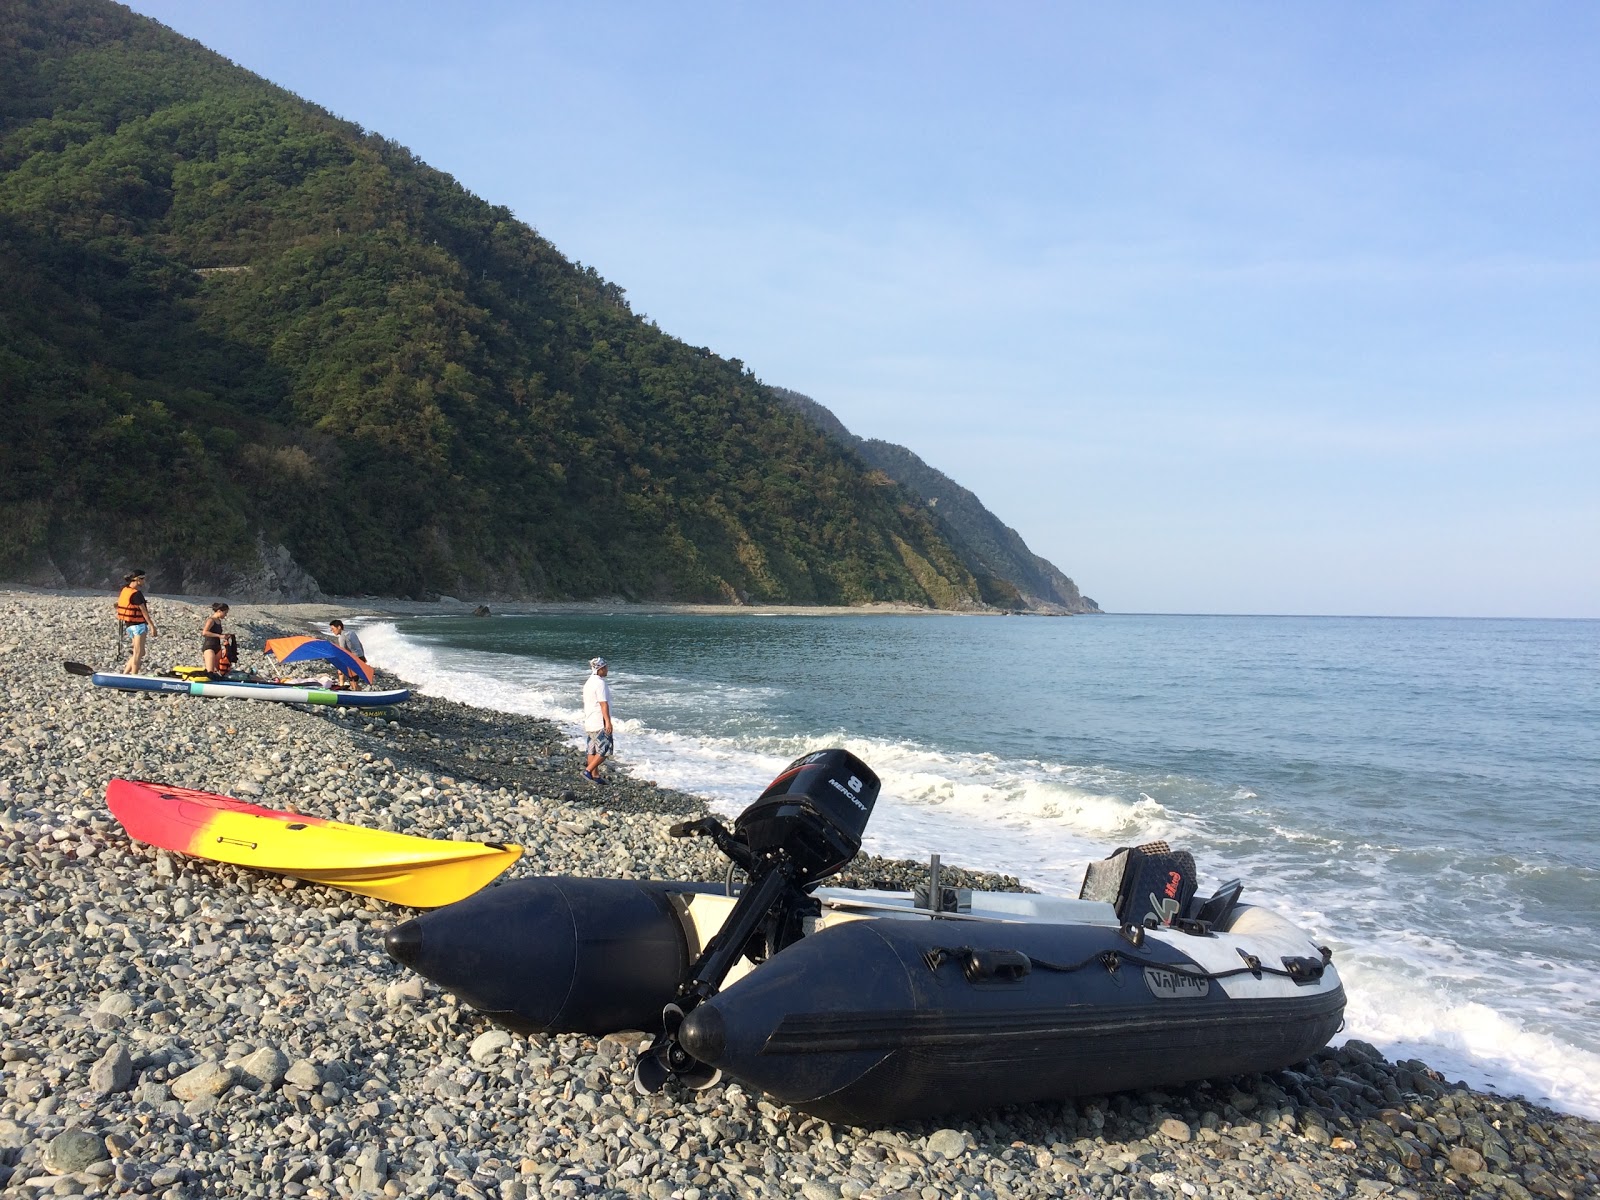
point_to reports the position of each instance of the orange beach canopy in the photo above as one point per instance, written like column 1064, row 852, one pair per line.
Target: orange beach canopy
column 302, row 649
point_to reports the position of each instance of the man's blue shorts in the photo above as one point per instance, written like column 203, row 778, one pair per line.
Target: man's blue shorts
column 138, row 630
column 600, row 743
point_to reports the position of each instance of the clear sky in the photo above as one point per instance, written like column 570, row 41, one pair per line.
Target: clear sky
column 1230, row 307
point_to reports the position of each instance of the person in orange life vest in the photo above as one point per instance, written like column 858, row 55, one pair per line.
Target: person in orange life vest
column 229, row 655
column 211, row 639
column 133, row 610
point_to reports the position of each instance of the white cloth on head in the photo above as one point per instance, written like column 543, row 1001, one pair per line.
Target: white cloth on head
column 596, row 691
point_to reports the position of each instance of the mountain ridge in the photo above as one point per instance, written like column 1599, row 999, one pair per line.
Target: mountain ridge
column 1009, row 574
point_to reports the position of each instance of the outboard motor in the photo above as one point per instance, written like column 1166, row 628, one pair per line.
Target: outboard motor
column 803, row 828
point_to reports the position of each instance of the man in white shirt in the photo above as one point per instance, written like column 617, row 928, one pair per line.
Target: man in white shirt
column 597, row 719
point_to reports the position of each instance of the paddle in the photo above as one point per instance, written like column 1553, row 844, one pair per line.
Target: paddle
column 73, row 668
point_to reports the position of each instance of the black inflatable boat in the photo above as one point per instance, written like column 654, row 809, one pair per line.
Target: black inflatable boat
column 873, row 1007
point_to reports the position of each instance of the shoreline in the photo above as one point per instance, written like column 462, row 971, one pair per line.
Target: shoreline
column 195, row 1022
column 449, row 606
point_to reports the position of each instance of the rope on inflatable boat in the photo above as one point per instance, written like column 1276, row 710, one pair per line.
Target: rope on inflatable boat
column 1014, row 964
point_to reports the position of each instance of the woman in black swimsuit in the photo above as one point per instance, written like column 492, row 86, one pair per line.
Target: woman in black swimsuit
column 211, row 637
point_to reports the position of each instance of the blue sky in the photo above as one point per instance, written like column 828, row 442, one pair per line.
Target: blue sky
column 1225, row 307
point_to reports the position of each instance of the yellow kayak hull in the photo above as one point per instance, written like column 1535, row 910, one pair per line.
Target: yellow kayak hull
column 397, row 867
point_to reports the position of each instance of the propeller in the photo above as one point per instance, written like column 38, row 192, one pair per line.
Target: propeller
column 665, row 1060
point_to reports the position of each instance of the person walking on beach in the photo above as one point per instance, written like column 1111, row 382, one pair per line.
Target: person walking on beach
column 597, row 719
column 211, row 639
column 133, row 610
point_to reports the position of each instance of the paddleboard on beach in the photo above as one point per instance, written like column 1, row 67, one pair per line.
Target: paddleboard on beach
column 400, row 868
column 283, row 693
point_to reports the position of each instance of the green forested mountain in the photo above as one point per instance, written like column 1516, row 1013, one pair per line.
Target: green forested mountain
column 240, row 337
column 1009, row 574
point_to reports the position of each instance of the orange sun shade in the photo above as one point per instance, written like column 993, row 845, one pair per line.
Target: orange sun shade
column 302, row 649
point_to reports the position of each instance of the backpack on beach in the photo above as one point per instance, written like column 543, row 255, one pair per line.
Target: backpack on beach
column 1147, row 885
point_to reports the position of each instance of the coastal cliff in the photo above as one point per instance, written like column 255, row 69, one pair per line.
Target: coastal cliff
column 1009, row 574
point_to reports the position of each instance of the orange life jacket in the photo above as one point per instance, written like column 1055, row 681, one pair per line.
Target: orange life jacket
column 128, row 612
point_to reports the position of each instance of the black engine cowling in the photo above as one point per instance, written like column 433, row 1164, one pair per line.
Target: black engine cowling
column 815, row 813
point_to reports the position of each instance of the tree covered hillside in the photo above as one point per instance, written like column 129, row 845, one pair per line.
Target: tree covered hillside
column 232, row 321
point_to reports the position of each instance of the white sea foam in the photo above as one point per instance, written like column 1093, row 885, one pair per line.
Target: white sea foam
column 1505, row 1022
column 1410, row 1015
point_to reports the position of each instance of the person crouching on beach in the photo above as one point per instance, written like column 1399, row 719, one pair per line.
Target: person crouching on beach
column 133, row 610
column 597, row 719
column 211, row 639
column 347, row 641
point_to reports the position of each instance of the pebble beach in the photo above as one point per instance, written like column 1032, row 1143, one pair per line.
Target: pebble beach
column 180, row 1028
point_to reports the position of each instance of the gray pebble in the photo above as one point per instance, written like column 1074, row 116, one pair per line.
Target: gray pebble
column 1175, row 1129
column 209, row 1079
column 264, row 1068
column 74, row 1150
column 112, row 1072
column 487, row 1045
column 304, row 1075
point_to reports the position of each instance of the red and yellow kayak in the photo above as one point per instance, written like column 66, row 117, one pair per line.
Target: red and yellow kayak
column 421, row 872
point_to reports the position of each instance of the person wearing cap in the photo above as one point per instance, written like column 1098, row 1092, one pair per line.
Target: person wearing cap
column 133, row 611
column 597, row 719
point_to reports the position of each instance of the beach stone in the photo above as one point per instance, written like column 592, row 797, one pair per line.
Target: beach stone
column 1447, row 1125
column 165, row 1177
column 404, row 992
column 1356, row 1050
column 372, row 1167
column 200, row 1106
column 13, row 1135
column 208, row 1079
column 1175, row 1129
column 112, row 1072
column 488, row 1044
column 118, row 1004
column 1464, row 1159
column 304, row 1075
column 73, row 1151
column 947, row 1143
column 265, row 1068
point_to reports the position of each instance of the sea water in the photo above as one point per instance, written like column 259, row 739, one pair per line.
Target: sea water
column 1421, row 795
